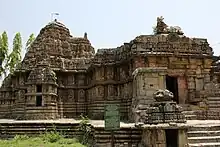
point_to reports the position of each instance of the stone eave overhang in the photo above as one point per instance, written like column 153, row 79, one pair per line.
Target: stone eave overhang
column 173, row 54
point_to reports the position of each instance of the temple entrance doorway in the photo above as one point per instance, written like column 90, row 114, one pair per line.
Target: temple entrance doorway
column 172, row 85
column 171, row 138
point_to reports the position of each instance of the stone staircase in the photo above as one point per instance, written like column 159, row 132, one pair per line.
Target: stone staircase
column 129, row 136
column 125, row 136
column 9, row 130
column 214, row 103
column 203, row 136
column 190, row 115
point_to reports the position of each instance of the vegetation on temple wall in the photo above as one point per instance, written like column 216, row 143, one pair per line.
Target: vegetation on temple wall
column 87, row 136
column 10, row 61
column 50, row 139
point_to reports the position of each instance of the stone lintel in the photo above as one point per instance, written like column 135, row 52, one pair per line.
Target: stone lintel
column 166, row 126
column 149, row 70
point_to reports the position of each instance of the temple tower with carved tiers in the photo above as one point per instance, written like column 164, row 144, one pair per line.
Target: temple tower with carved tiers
column 61, row 76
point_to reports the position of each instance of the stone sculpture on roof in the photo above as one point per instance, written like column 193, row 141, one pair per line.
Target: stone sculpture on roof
column 163, row 28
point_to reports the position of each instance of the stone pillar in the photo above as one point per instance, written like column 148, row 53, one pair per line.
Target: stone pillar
column 146, row 82
column 154, row 137
column 182, row 138
column 157, row 137
column 182, row 89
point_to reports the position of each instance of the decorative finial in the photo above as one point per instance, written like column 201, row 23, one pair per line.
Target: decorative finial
column 85, row 35
column 52, row 16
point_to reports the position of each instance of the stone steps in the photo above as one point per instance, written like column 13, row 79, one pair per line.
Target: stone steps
column 189, row 115
column 203, row 133
column 205, row 139
column 9, row 131
column 205, row 128
column 204, row 136
column 121, row 136
column 214, row 103
column 131, row 136
column 214, row 98
column 205, row 145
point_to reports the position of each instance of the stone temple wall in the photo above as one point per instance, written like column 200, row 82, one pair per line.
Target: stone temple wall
column 75, row 80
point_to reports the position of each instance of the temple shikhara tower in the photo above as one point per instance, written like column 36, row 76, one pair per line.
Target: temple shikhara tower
column 61, row 76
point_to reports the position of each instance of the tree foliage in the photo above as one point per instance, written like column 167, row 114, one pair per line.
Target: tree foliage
column 9, row 61
column 3, row 51
column 14, row 58
column 29, row 42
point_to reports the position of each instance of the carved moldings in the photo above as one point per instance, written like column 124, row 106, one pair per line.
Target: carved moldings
column 173, row 37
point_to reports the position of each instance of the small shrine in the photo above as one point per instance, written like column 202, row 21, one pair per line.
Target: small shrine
column 163, row 110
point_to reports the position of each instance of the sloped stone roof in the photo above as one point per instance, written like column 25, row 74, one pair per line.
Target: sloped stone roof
column 55, row 44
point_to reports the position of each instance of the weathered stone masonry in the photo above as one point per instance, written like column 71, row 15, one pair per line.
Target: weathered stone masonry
column 61, row 76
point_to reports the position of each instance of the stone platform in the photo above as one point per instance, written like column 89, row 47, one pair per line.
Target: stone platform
column 200, row 132
column 100, row 123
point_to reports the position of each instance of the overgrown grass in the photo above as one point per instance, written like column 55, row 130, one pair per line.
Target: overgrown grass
column 49, row 139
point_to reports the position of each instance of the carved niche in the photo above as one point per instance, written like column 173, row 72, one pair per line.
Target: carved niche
column 122, row 74
column 191, row 83
column 71, row 79
column 81, row 95
column 71, row 95
column 21, row 94
column 100, row 92
column 99, row 74
column 81, row 79
column 110, row 73
column 111, row 92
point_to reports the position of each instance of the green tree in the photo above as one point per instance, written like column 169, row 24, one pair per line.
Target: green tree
column 29, row 42
column 14, row 59
column 10, row 61
column 3, row 51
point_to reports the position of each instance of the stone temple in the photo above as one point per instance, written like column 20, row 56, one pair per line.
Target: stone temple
column 61, row 76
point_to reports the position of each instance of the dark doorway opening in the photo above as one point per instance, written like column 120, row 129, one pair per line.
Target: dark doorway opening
column 39, row 88
column 172, row 85
column 38, row 101
column 171, row 138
